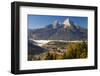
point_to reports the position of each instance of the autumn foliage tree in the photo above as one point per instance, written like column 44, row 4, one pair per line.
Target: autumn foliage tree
column 76, row 50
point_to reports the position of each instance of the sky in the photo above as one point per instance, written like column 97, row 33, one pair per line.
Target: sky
column 40, row 21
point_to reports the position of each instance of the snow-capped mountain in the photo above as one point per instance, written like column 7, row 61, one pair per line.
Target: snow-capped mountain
column 55, row 24
column 56, row 31
column 68, row 23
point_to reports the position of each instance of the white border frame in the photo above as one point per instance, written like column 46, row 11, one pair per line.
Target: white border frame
column 24, row 64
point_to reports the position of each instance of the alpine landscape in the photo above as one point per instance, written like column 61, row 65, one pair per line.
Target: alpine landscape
column 58, row 41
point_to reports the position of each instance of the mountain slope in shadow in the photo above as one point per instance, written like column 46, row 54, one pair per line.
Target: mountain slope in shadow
column 34, row 49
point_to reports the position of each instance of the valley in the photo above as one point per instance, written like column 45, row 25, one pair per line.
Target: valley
column 54, row 50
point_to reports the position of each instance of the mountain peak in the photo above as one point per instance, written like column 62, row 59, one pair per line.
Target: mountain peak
column 55, row 24
column 67, row 23
column 58, row 31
